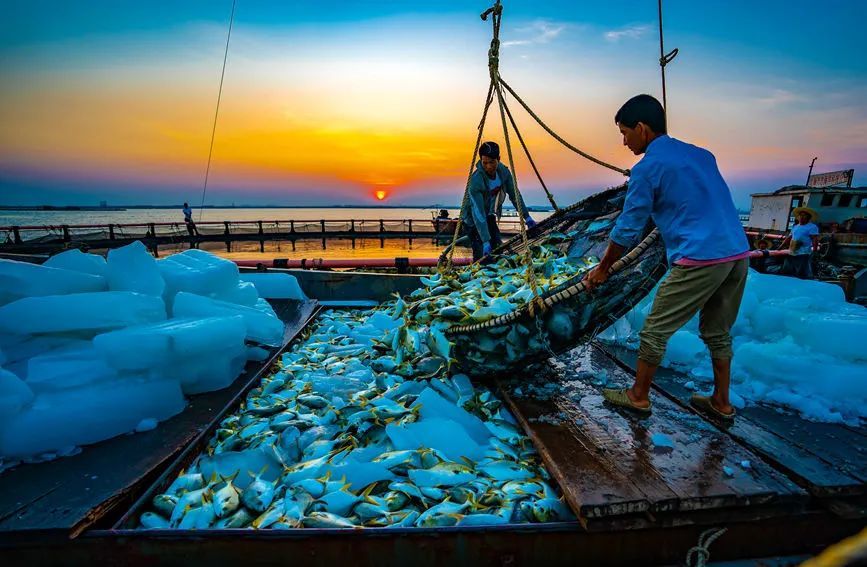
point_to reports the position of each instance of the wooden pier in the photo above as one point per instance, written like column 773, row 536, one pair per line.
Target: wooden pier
column 45, row 239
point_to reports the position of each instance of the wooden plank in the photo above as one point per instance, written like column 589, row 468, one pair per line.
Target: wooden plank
column 68, row 494
column 701, row 471
column 590, row 486
column 828, row 459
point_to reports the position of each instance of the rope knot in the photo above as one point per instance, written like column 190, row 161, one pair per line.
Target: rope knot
column 494, row 57
column 668, row 57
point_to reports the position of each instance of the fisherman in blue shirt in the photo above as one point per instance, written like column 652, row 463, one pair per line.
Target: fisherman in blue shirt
column 489, row 186
column 680, row 188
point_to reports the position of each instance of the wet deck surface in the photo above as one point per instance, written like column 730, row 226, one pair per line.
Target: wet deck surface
column 829, row 460
column 66, row 495
column 611, row 463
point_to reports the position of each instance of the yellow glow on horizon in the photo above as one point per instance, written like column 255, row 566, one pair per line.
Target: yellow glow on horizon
column 265, row 140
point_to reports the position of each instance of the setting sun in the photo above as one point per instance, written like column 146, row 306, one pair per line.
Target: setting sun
column 381, row 194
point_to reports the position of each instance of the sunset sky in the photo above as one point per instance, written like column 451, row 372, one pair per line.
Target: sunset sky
column 329, row 103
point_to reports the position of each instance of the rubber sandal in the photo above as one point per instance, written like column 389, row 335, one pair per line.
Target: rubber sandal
column 620, row 399
column 705, row 406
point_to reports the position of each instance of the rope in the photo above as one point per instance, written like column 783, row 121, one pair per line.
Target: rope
column 494, row 70
column 530, row 158
column 488, row 99
column 217, row 110
column 700, row 551
column 557, row 136
column 519, row 204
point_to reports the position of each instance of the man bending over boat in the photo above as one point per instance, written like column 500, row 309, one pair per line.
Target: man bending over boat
column 490, row 183
column 680, row 188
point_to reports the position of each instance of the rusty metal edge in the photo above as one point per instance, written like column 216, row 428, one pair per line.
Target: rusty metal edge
column 303, row 533
column 195, row 446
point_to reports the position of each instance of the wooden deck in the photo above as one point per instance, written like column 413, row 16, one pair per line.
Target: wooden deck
column 828, row 460
column 65, row 496
column 674, row 466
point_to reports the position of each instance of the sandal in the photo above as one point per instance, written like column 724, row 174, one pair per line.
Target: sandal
column 620, row 399
column 704, row 405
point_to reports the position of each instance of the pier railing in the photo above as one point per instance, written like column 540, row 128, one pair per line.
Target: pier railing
column 46, row 237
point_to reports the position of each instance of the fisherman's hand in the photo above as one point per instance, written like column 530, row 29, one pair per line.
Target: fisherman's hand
column 530, row 222
column 595, row 277
column 486, row 248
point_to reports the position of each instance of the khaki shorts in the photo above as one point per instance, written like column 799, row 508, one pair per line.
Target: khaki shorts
column 715, row 291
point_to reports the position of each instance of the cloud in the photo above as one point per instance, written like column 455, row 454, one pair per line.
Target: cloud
column 780, row 96
column 540, row 31
column 629, row 32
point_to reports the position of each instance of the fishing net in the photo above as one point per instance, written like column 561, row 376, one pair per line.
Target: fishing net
column 568, row 314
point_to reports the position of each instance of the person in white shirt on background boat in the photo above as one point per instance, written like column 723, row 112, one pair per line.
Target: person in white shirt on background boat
column 489, row 186
column 803, row 240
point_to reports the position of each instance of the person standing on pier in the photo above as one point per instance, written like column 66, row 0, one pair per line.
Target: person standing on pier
column 680, row 188
column 802, row 242
column 188, row 220
column 490, row 184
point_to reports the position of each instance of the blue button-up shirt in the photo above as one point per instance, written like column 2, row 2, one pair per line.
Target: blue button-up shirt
column 680, row 187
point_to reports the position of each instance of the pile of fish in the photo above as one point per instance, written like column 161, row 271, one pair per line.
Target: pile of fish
column 358, row 430
column 486, row 291
column 362, row 427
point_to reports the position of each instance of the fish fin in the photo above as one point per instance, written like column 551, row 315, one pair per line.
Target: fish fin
column 365, row 494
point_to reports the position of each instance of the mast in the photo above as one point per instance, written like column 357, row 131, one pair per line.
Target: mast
column 664, row 59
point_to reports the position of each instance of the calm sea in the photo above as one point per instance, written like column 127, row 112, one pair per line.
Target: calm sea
column 333, row 248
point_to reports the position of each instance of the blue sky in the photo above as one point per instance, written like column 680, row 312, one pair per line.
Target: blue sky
column 110, row 100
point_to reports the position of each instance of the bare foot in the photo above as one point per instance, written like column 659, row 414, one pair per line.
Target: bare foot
column 645, row 403
column 724, row 408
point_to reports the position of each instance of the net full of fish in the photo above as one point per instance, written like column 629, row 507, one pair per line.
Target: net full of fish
column 336, row 440
column 485, row 292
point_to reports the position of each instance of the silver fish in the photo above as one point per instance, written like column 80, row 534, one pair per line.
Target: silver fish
column 326, row 520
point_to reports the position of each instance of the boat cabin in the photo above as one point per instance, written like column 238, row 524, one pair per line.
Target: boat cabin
column 772, row 211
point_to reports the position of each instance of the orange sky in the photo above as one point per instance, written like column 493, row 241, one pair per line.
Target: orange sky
column 332, row 114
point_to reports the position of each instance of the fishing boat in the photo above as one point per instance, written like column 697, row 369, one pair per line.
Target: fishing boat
column 840, row 209
column 769, row 485
column 803, row 489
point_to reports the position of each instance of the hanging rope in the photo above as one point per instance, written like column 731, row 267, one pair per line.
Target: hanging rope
column 488, row 100
column 557, row 136
column 519, row 201
column 530, row 159
column 494, row 70
column 496, row 86
column 217, row 110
